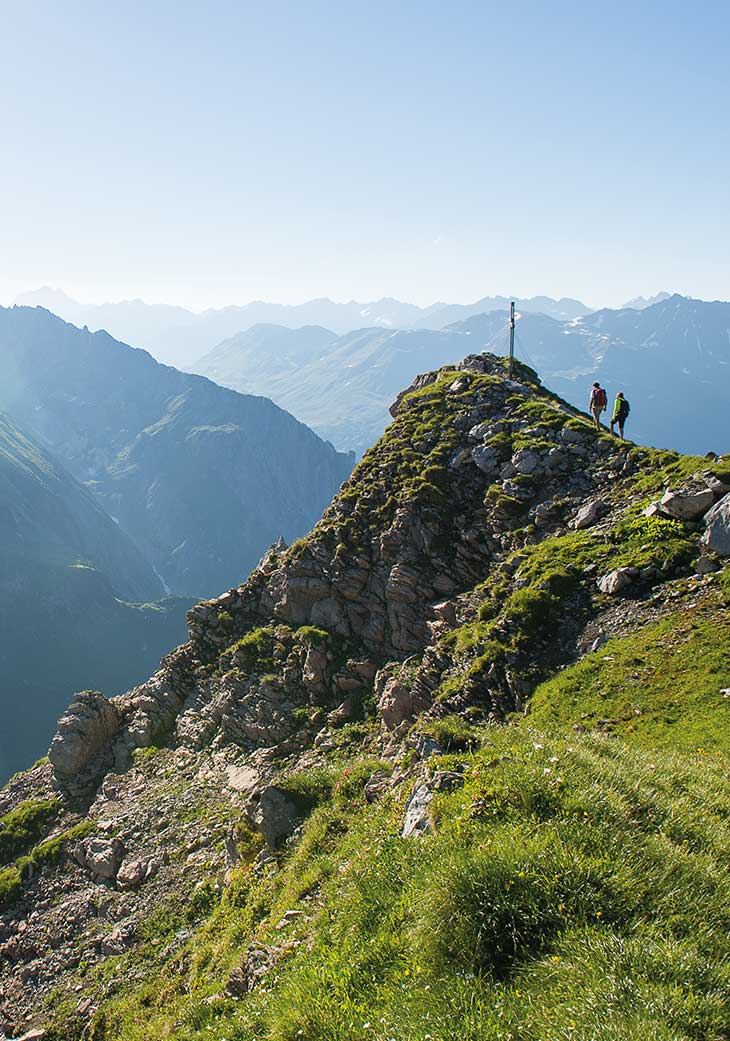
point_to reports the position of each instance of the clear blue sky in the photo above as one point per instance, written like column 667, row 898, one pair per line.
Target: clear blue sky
column 219, row 152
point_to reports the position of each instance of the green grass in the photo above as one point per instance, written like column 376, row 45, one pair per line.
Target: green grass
column 574, row 888
column 46, row 853
column 660, row 686
column 23, row 826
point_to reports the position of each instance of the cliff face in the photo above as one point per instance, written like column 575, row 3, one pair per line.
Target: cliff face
column 180, row 865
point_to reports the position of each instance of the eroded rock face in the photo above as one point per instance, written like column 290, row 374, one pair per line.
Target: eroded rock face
column 83, row 739
column 717, row 524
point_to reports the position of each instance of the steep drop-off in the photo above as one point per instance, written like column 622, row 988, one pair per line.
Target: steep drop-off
column 451, row 766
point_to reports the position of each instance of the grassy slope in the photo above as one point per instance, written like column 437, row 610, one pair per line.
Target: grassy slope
column 577, row 886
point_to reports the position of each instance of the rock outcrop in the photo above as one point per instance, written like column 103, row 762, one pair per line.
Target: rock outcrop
column 82, row 744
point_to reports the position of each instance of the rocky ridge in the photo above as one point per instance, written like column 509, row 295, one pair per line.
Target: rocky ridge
column 491, row 537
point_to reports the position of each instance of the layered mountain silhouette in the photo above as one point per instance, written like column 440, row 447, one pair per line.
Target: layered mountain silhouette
column 67, row 576
column 340, row 386
column 201, row 478
column 178, row 337
column 671, row 359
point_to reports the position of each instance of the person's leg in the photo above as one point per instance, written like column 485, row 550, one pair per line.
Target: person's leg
column 596, row 413
column 610, row 425
column 621, row 429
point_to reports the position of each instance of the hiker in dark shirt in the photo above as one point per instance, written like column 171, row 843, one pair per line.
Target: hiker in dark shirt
column 597, row 404
column 621, row 409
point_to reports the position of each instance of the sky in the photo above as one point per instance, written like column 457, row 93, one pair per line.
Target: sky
column 207, row 154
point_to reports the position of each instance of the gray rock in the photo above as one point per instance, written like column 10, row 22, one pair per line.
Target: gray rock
column 686, row 505
column 460, row 458
column 571, row 437
column 705, row 566
column 654, row 510
column 717, row 524
column 525, row 461
column 274, row 814
column 718, row 488
column 588, row 514
column 84, row 734
column 417, row 820
column 615, row 581
column 485, row 457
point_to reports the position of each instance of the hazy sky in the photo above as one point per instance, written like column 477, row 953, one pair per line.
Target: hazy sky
column 217, row 152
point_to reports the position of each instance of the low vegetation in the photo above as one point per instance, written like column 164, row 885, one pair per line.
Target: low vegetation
column 573, row 887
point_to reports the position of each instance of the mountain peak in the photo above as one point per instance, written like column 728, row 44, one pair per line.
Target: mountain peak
column 253, row 814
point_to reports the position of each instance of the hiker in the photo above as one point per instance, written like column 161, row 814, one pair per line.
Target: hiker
column 621, row 409
column 597, row 404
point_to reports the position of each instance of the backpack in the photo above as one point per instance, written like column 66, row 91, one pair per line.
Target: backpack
column 600, row 399
column 625, row 408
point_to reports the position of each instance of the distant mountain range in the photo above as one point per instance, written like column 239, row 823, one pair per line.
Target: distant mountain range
column 640, row 302
column 201, row 478
column 340, row 386
column 67, row 576
column 671, row 358
column 178, row 337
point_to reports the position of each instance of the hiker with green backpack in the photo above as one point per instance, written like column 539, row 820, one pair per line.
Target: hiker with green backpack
column 621, row 409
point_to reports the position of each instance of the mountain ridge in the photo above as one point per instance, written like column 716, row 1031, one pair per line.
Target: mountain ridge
column 344, row 393
column 331, row 813
column 177, row 336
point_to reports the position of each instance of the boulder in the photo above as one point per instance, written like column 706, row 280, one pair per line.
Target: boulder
column 686, row 506
column 717, row 524
column 84, row 734
column 615, row 581
column 654, row 510
column 134, row 871
column 705, row 566
column 100, row 856
column 274, row 814
column 588, row 514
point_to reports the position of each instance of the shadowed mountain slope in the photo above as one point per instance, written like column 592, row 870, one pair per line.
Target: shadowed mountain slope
column 203, row 479
column 67, row 573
